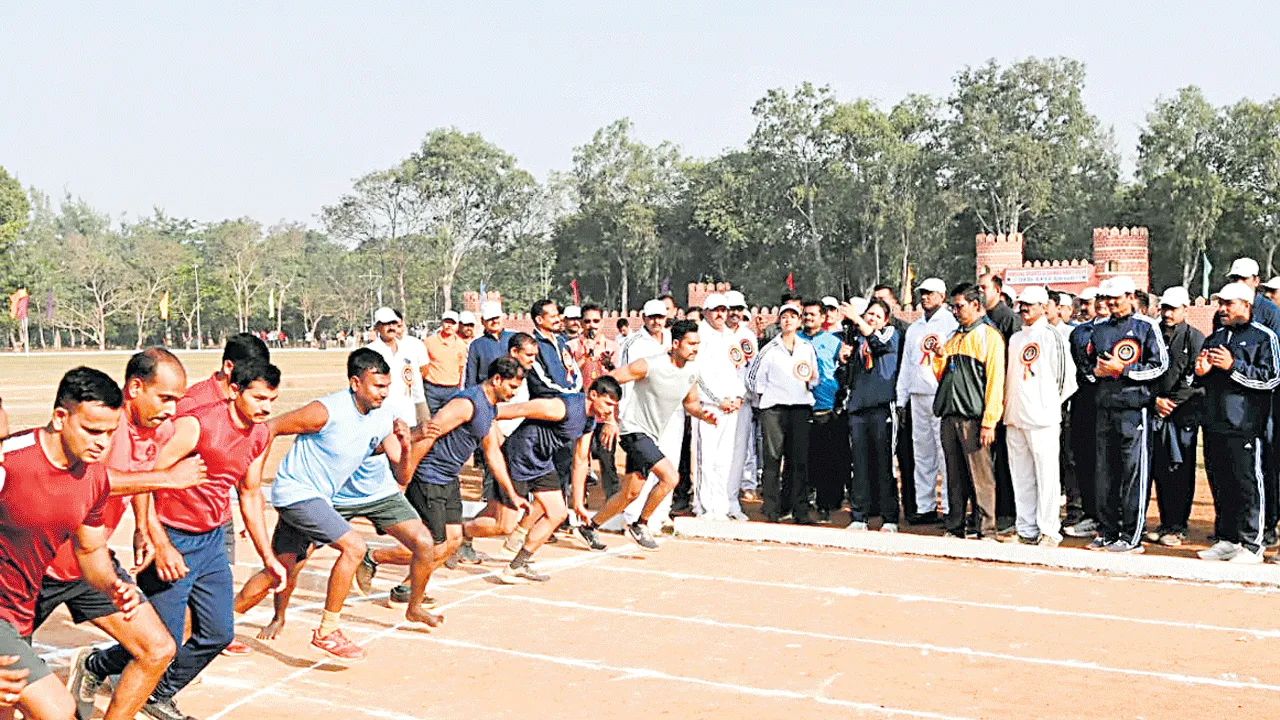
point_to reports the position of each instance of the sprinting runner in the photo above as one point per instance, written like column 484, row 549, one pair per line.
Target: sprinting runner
column 154, row 380
column 662, row 385
column 550, row 424
column 190, row 569
column 315, row 496
column 55, row 489
column 464, row 422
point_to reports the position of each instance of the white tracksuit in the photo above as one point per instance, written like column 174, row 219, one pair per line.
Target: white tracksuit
column 745, row 450
column 720, row 449
column 640, row 346
column 1040, row 376
column 918, row 384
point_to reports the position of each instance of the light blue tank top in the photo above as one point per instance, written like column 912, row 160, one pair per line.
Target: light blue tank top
column 372, row 481
column 320, row 463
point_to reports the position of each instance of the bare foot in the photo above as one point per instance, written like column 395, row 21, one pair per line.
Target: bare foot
column 422, row 616
column 272, row 630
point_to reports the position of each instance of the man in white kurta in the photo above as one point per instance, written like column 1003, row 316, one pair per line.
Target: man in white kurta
column 1040, row 377
column 716, row 447
column 745, row 462
column 918, row 384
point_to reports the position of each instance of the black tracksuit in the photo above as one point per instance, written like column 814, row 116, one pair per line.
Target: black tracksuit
column 1081, row 499
column 1007, row 322
column 1173, row 456
column 1237, row 411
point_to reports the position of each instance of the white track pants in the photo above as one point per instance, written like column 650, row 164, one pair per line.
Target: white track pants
column 926, row 447
column 669, row 444
column 719, row 453
column 1037, row 486
column 749, row 478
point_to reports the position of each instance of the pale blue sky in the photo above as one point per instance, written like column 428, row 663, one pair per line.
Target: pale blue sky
column 270, row 109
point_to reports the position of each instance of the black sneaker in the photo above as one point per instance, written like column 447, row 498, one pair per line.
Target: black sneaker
column 1270, row 539
column 399, row 595
column 83, row 683
column 467, row 553
column 824, row 515
column 165, row 709
column 924, row 518
column 364, row 574
column 639, row 532
column 587, row 535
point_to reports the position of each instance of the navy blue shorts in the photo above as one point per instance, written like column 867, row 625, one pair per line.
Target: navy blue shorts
column 642, row 453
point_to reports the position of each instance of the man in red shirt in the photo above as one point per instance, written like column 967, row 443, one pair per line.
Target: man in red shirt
column 54, row 489
column 190, row 569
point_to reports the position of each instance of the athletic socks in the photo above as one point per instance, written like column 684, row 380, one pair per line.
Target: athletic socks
column 521, row 559
column 329, row 622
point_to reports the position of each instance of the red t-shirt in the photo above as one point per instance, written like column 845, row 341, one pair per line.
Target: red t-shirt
column 41, row 506
column 205, row 392
column 227, row 452
column 133, row 449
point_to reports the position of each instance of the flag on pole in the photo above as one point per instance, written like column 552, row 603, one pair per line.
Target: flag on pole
column 1208, row 268
column 791, row 282
column 18, row 304
column 164, row 306
column 574, row 284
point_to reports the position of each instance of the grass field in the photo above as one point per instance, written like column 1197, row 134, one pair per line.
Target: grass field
column 709, row 629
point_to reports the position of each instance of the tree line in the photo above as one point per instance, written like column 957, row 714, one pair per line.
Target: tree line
column 841, row 194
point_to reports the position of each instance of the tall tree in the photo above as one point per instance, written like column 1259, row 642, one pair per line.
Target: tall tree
column 238, row 254
column 1250, row 164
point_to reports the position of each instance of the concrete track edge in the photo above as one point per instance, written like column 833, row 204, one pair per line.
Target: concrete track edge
column 1145, row 566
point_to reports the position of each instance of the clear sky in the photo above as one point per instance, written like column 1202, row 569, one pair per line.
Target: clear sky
column 269, row 110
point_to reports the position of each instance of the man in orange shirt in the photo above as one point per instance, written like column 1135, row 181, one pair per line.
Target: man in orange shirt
column 447, row 352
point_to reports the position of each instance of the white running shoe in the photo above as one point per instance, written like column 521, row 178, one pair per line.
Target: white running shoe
column 856, row 525
column 1244, row 557
column 1221, row 550
column 889, row 527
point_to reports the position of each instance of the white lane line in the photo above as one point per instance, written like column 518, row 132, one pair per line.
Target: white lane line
column 344, row 707
column 394, row 629
column 634, row 673
column 923, row 647
column 1028, row 609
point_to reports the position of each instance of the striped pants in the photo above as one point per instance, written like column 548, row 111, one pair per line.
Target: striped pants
column 1123, row 472
column 1234, row 467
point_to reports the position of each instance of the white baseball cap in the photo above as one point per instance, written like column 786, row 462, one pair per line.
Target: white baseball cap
column 1088, row 293
column 934, row 285
column 715, row 300
column 490, row 310
column 1034, row 295
column 790, row 306
column 466, row 317
column 1273, row 283
column 1235, row 291
column 829, row 301
column 385, row 315
column 1117, row 286
column 654, row 307
column 449, row 315
column 1176, row 296
column 747, row 314
column 1064, row 298
column 736, row 299
column 859, row 304
column 573, row 311
column 1243, row 268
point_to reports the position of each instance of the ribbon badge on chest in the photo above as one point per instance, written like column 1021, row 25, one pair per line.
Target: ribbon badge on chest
column 748, row 348
column 930, row 345
column 803, row 371
column 1127, row 351
column 1030, row 354
column 736, row 356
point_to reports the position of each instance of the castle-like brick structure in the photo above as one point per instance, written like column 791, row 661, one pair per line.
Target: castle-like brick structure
column 1116, row 252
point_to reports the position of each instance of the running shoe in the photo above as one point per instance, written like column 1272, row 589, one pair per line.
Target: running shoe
column 83, row 683
column 1221, row 550
column 519, row 575
column 639, row 532
column 451, row 562
column 399, row 595
column 467, row 553
column 1121, row 546
column 889, row 527
column 166, row 709
column 1153, row 536
column 1087, row 527
column 514, row 541
column 738, row 516
column 1245, row 557
column 236, row 648
column 588, row 536
column 1097, row 543
column 1172, row 539
column 1270, row 538
column 337, row 645
column 364, row 574
column 1047, row 541
column 856, row 525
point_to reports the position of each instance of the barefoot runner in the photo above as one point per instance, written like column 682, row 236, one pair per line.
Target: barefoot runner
column 337, row 435
column 54, row 489
column 190, row 569
column 662, row 384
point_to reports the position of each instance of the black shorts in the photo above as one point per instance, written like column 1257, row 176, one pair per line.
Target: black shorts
column 11, row 643
column 83, row 601
column 437, row 505
column 522, row 489
column 642, row 453
column 384, row 513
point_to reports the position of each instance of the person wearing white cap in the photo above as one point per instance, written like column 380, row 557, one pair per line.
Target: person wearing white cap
column 1245, row 270
column 572, row 322
column 1176, row 421
column 653, row 340
column 406, row 355
column 832, row 315
column 1239, row 368
column 1082, row 507
column 447, row 356
column 489, row 346
column 1271, row 289
column 917, row 385
column 1040, row 378
column 721, row 391
column 1128, row 355
column 467, row 325
column 780, row 384
column 744, row 335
